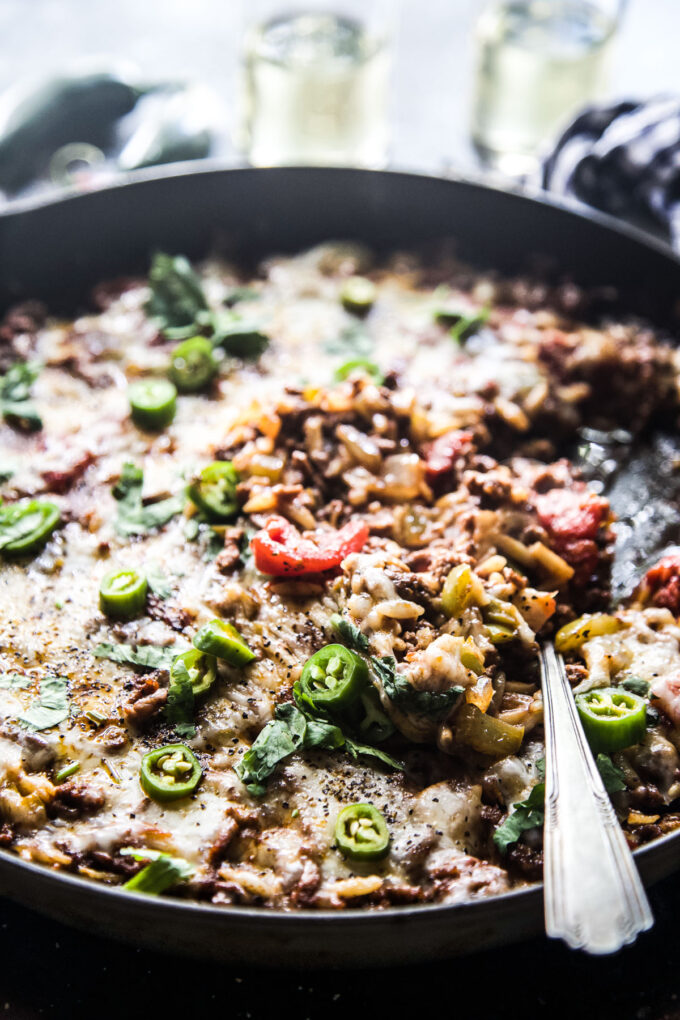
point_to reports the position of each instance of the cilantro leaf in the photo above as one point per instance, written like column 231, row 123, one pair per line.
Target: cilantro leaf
column 308, row 731
column 162, row 872
column 158, row 582
column 406, row 697
column 241, row 338
column 241, row 293
column 293, row 730
column 348, row 633
column 355, row 749
column 528, row 814
column 51, row 707
column 149, row 656
column 353, row 341
column 612, row 777
column 15, row 391
column 13, row 681
column 179, row 306
column 636, row 685
column 274, row 743
column 134, row 518
column 288, row 732
column 177, row 296
column 467, row 325
column 179, row 708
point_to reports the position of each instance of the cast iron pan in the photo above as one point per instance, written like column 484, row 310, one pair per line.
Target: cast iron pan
column 57, row 249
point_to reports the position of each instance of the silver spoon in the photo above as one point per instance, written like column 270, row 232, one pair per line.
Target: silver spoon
column 593, row 896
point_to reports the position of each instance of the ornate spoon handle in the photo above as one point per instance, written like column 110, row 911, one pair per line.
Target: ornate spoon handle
column 593, row 896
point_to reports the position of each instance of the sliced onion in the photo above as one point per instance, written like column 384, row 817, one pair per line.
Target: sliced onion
column 403, row 475
column 360, row 446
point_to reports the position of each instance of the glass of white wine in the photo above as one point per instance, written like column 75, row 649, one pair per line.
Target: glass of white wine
column 538, row 63
column 316, row 82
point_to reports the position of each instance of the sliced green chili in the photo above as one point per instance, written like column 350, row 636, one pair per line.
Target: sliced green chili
column 202, row 670
column 122, row 593
column 364, row 365
column 153, row 403
column 358, row 295
column 612, row 718
column 25, row 526
column 361, row 833
column 334, row 677
column 193, row 365
column 214, row 490
column 169, row 772
column 224, row 642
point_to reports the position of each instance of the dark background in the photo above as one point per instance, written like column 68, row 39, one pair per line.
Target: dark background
column 48, row 970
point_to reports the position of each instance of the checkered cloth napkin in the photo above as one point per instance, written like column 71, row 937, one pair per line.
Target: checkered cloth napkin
column 625, row 160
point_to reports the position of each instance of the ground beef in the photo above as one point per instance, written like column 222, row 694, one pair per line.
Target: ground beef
column 75, row 799
column 525, row 861
column 146, row 700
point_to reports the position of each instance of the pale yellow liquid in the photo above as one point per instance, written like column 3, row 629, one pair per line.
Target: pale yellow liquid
column 316, row 93
column 539, row 63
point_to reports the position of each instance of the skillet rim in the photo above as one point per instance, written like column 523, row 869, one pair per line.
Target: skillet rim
column 531, row 194
column 648, row 855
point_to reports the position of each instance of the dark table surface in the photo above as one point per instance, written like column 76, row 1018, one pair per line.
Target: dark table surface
column 49, row 970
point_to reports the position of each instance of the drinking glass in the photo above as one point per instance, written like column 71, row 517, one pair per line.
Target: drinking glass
column 316, row 82
column 538, row 62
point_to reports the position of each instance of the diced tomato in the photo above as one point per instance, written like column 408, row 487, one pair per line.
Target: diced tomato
column 280, row 550
column 662, row 583
column 573, row 517
column 571, row 514
column 442, row 453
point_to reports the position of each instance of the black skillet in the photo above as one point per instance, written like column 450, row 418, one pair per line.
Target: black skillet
column 57, row 249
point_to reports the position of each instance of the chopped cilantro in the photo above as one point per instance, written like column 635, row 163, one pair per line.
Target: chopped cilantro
column 527, row 814
column 349, row 633
column 15, row 392
column 51, row 707
column 636, row 685
column 134, row 518
column 612, row 777
column 406, row 697
column 157, row 581
column 179, row 708
column 149, row 656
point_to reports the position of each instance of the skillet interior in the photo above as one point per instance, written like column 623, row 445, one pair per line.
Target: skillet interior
column 58, row 249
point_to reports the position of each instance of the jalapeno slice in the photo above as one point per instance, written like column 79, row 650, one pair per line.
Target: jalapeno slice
column 193, row 364
column 153, row 403
column 358, row 295
column 612, row 718
column 202, row 670
column 214, row 490
column 169, row 772
column 361, row 833
column 25, row 526
column 224, row 642
column 358, row 365
column 334, row 677
column 122, row 593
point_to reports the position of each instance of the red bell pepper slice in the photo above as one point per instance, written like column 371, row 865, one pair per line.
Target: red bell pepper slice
column 280, row 550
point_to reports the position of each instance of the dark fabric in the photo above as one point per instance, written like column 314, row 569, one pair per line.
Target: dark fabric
column 623, row 159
